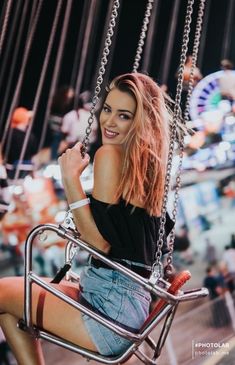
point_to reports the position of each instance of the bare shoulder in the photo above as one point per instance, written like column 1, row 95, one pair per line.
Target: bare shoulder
column 112, row 153
column 107, row 172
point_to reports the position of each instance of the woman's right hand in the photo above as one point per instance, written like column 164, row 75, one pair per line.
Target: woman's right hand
column 72, row 163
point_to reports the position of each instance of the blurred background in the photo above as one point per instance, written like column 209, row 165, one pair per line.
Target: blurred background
column 50, row 54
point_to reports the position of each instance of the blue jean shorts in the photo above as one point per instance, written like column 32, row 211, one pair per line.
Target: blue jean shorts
column 117, row 297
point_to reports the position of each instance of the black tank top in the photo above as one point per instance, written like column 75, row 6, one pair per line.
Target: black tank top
column 131, row 231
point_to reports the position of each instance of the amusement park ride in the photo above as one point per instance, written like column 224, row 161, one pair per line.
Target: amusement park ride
column 164, row 285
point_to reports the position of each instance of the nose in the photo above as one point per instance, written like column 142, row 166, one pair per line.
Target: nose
column 110, row 121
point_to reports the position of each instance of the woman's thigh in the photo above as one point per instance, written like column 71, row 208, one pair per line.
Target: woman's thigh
column 59, row 317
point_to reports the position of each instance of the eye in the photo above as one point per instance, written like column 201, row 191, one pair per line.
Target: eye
column 106, row 109
column 124, row 116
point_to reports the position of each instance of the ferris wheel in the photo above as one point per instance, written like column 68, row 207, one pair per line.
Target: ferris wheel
column 206, row 95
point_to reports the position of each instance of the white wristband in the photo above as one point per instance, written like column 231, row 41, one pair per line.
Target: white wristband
column 79, row 203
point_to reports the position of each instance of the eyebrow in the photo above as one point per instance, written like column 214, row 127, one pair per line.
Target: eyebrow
column 120, row 110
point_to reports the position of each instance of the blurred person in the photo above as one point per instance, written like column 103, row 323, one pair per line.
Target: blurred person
column 232, row 244
column 229, row 191
column 212, row 282
column 15, row 226
column 205, row 223
column 164, row 88
column 210, row 253
column 229, row 258
column 11, row 151
column 197, row 76
column 182, row 245
column 86, row 97
column 62, row 103
column 74, row 126
column 4, row 203
column 4, row 189
column 225, row 277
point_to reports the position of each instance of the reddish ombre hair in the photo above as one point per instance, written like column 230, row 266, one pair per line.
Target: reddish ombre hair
column 146, row 144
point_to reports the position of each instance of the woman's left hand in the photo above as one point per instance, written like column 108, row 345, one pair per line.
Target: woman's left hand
column 72, row 163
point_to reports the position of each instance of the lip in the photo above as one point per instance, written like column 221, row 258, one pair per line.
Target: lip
column 110, row 134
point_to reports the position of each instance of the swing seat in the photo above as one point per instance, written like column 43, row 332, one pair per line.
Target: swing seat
column 169, row 295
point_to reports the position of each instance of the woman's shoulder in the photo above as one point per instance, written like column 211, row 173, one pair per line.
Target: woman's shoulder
column 109, row 158
column 110, row 151
column 107, row 172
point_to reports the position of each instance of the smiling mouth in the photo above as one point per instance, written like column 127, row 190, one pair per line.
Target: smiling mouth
column 110, row 134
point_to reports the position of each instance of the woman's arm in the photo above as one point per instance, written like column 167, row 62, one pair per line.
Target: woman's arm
column 107, row 173
column 106, row 177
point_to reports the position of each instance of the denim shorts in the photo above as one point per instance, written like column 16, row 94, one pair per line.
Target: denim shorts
column 117, row 297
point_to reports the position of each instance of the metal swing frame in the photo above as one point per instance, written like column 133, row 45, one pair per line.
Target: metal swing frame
column 157, row 286
column 169, row 294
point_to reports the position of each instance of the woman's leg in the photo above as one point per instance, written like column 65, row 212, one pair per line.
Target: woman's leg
column 59, row 318
column 26, row 349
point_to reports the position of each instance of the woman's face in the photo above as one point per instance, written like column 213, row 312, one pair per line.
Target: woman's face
column 117, row 116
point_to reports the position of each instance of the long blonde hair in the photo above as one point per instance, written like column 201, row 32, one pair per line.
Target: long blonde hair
column 146, row 144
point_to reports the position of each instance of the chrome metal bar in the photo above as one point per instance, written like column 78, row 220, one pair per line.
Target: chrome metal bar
column 71, row 275
column 111, row 325
column 138, row 337
column 144, row 358
column 156, row 320
column 199, row 293
column 70, row 252
column 159, row 291
column 28, row 283
column 66, row 234
column 31, row 277
column 86, row 353
column 150, row 342
column 164, row 332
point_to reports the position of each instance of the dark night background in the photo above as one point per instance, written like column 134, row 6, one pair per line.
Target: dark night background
column 123, row 52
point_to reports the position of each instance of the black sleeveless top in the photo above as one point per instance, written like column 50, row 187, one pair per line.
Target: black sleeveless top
column 131, row 231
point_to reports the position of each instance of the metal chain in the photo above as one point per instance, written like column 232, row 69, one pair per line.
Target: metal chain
column 5, row 23
column 157, row 265
column 99, row 81
column 56, row 71
column 29, row 42
column 194, row 56
column 142, row 35
column 185, row 120
column 41, row 81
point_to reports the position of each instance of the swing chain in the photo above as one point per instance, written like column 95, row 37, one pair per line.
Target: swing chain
column 194, row 57
column 5, row 23
column 142, row 35
column 27, row 49
column 40, row 83
column 185, row 120
column 104, row 61
column 176, row 115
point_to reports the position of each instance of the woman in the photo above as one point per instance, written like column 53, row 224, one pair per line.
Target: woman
column 122, row 221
